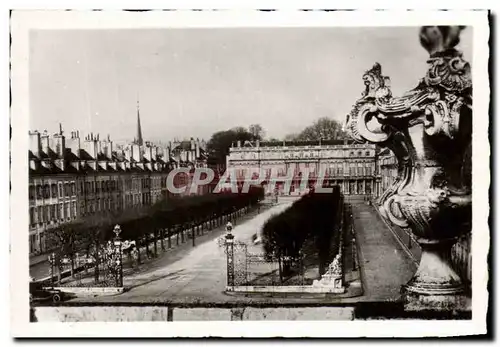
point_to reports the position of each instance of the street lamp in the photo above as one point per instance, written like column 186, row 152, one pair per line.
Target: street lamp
column 118, row 256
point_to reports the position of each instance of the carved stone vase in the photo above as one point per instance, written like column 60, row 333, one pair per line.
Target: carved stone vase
column 429, row 130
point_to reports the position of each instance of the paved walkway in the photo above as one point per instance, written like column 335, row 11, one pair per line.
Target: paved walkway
column 198, row 275
column 385, row 265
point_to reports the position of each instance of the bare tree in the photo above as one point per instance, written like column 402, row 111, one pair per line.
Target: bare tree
column 257, row 131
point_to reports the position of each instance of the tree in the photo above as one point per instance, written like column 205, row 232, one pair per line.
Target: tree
column 291, row 137
column 257, row 131
column 220, row 142
column 323, row 129
column 64, row 240
column 274, row 139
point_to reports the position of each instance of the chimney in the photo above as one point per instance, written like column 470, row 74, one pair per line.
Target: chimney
column 197, row 148
column 106, row 147
column 192, row 144
column 44, row 139
column 35, row 143
column 128, row 153
column 239, row 144
column 154, row 153
column 73, row 144
column 136, row 153
column 90, row 146
column 166, row 154
column 148, row 152
column 59, row 145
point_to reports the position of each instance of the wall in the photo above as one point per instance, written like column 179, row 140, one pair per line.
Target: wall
column 164, row 313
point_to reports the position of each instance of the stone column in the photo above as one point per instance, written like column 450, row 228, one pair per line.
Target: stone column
column 429, row 129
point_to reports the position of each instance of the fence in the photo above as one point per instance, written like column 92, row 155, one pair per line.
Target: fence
column 99, row 269
column 246, row 268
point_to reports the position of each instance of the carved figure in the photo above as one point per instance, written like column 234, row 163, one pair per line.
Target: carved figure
column 429, row 130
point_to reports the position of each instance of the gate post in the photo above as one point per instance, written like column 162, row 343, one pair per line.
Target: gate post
column 118, row 256
column 230, row 259
column 52, row 261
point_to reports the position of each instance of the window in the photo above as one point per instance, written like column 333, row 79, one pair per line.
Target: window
column 98, row 187
column 92, row 187
column 73, row 209
column 40, row 214
column 54, row 190
column 32, row 192
column 87, row 187
column 61, row 211
column 67, row 209
column 52, row 212
column 367, row 153
column 39, row 192
column 73, row 189
column 32, row 216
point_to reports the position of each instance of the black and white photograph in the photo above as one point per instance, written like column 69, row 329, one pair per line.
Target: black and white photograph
column 194, row 167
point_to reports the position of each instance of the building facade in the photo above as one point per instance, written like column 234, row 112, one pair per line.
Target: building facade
column 72, row 178
column 387, row 170
column 351, row 166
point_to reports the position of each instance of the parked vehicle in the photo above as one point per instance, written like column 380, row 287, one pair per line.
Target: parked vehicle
column 40, row 294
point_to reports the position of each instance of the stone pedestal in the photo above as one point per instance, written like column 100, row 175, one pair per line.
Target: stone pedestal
column 453, row 303
column 333, row 277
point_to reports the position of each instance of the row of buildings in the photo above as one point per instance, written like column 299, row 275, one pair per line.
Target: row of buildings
column 359, row 169
column 72, row 178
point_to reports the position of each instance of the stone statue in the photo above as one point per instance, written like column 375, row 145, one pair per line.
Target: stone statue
column 429, row 129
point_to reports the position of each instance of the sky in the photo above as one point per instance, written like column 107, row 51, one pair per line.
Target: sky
column 194, row 82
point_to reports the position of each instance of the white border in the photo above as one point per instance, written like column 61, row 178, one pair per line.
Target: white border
column 23, row 21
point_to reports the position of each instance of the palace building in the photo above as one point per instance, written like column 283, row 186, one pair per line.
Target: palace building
column 350, row 165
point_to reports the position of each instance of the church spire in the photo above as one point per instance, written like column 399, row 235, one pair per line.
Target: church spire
column 138, row 139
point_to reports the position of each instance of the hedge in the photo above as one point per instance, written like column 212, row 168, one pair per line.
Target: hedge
column 312, row 217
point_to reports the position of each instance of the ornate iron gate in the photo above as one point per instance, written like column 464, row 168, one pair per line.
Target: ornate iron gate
column 246, row 269
column 100, row 268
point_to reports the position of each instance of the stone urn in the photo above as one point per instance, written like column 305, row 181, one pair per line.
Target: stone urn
column 429, row 130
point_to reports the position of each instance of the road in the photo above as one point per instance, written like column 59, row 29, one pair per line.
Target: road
column 200, row 272
column 385, row 265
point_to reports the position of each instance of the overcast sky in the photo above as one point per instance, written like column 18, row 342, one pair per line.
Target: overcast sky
column 193, row 82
